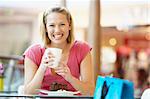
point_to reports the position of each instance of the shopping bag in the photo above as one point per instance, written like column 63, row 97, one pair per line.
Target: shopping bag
column 113, row 88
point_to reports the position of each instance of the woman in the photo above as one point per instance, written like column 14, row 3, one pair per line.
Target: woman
column 74, row 72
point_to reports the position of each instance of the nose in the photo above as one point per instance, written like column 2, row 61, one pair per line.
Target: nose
column 57, row 29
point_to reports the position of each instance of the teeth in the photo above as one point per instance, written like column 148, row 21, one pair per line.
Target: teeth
column 58, row 36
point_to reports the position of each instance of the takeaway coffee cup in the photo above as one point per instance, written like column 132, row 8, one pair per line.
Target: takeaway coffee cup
column 57, row 52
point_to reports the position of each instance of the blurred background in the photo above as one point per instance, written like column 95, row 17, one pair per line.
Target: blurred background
column 124, row 36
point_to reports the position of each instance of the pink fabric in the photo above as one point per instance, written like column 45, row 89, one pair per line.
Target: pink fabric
column 77, row 53
column 1, row 69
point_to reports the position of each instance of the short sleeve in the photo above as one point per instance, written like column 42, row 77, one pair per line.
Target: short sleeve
column 34, row 53
column 83, row 49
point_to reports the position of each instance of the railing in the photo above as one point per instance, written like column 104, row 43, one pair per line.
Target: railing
column 11, row 65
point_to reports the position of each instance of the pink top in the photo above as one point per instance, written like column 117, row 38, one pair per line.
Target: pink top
column 77, row 53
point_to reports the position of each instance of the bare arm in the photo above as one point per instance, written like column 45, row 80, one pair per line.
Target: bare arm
column 86, row 85
column 33, row 76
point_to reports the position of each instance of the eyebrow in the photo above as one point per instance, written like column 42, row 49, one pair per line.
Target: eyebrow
column 54, row 22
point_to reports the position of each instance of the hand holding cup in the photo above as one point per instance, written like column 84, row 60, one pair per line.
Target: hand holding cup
column 53, row 54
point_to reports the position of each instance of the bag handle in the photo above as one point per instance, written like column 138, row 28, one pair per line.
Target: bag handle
column 105, row 90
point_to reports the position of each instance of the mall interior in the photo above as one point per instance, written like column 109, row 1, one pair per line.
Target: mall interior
column 117, row 30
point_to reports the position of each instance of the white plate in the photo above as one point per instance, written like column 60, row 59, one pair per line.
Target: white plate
column 59, row 92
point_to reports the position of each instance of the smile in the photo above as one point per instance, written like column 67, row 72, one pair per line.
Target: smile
column 57, row 36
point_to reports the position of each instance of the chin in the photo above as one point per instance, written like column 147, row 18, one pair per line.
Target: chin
column 59, row 41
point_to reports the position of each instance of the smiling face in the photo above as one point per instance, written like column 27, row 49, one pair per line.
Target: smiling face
column 57, row 27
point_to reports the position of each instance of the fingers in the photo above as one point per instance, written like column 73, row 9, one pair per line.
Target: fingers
column 62, row 73
column 48, row 62
column 49, row 55
column 62, row 69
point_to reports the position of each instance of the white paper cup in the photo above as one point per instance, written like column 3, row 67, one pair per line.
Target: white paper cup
column 57, row 54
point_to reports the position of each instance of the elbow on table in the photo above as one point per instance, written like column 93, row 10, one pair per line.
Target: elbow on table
column 89, row 90
column 92, row 89
column 28, row 90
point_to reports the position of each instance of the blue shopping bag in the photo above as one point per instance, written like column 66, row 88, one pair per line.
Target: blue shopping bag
column 113, row 88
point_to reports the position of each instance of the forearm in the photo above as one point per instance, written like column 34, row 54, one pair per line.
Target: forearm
column 86, row 88
column 36, row 82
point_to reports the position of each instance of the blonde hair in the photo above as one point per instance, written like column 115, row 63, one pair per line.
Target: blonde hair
column 43, row 20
